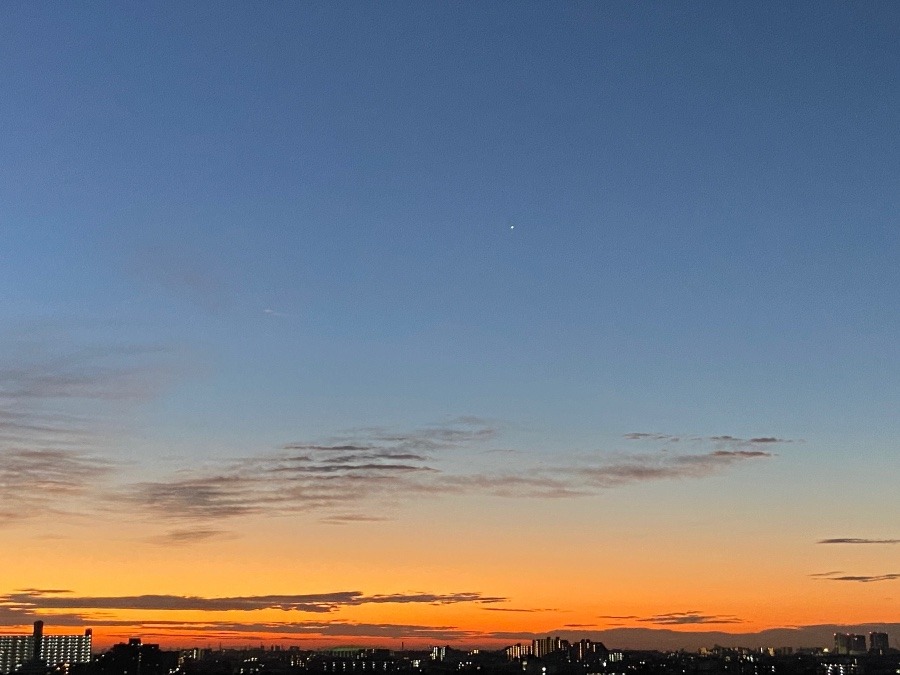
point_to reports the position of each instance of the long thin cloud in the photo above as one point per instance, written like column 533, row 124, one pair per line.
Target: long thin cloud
column 691, row 617
column 722, row 439
column 189, row 536
column 857, row 540
column 650, row 467
column 519, row 610
column 36, row 600
column 858, row 578
column 222, row 630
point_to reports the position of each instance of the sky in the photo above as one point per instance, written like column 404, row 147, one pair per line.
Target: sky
column 449, row 323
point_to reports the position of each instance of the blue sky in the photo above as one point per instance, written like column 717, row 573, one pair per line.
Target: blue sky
column 703, row 200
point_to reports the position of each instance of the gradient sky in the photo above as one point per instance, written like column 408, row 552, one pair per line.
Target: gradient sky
column 448, row 322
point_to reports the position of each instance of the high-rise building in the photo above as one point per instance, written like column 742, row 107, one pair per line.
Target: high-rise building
column 56, row 649
column 518, row 651
column 878, row 643
column 849, row 643
column 14, row 651
column 587, row 651
column 53, row 650
column 540, row 647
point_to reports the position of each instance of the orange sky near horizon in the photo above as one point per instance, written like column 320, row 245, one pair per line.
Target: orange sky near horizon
column 544, row 578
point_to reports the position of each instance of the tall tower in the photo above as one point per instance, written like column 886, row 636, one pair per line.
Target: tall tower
column 38, row 637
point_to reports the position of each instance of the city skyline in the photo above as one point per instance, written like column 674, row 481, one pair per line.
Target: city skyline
column 449, row 323
column 57, row 647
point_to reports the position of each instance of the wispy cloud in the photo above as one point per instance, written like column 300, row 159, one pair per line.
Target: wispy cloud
column 858, row 578
column 759, row 440
column 46, row 591
column 326, row 478
column 564, row 483
column 518, row 610
column 349, row 518
column 689, row 618
column 650, row 436
column 379, row 468
column 857, row 540
column 723, row 439
column 623, row 470
column 55, row 476
column 53, row 398
column 58, row 403
column 99, row 372
column 46, row 471
column 189, row 536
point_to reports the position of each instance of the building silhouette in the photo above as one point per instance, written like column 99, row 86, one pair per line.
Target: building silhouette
column 878, row 643
column 39, row 649
column 135, row 658
column 849, row 643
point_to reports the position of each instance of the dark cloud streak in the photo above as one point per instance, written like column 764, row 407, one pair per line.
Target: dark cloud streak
column 857, row 578
column 35, row 600
column 691, row 617
column 857, row 540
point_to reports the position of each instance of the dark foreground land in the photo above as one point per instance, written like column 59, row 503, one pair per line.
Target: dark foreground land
column 135, row 658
